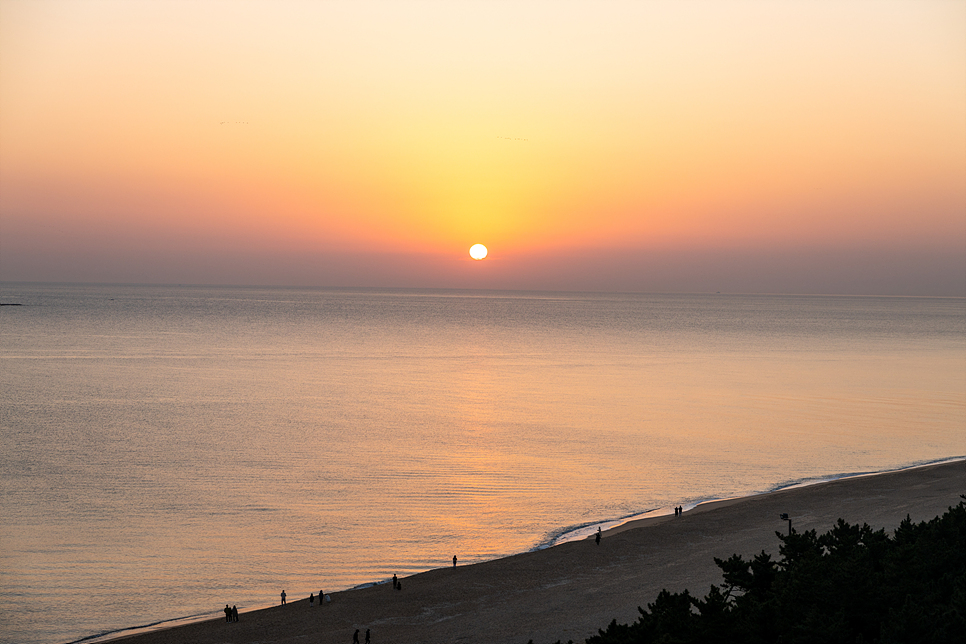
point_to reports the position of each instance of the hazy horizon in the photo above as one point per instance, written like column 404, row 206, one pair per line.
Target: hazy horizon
column 618, row 146
column 917, row 275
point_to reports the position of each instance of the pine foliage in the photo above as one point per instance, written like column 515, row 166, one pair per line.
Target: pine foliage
column 850, row 585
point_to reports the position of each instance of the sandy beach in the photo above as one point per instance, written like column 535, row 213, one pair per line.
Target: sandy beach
column 570, row 591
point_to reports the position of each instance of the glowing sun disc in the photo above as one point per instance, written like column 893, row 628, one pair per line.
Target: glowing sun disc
column 477, row 251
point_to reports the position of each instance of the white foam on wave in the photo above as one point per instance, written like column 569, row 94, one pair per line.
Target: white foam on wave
column 587, row 530
column 566, row 535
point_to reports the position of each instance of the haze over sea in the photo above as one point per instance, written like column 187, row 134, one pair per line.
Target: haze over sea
column 166, row 450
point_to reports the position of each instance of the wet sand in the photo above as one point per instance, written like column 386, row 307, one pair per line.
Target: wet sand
column 569, row 591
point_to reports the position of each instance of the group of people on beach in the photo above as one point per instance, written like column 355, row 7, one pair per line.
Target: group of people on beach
column 678, row 511
column 231, row 614
column 322, row 598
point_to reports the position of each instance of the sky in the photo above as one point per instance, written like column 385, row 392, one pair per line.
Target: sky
column 685, row 146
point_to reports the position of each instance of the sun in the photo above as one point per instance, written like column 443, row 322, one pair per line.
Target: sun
column 477, row 251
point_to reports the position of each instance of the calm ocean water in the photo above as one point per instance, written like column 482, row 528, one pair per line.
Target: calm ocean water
column 166, row 450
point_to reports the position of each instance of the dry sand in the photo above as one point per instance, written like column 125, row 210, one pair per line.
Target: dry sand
column 570, row 591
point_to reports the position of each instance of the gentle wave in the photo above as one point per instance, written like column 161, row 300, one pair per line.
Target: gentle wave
column 587, row 530
column 195, row 445
column 564, row 535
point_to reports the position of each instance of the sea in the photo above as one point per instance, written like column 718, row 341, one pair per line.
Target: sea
column 165, row 450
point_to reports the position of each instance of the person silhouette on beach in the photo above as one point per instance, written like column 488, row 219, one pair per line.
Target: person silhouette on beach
column 227, row 613
column 454, row 561
column 283, row 596
column 597, row 538
column 394, row 582
column 234, row 613
column 355, row 637
column 367, row 636
column 312, row 599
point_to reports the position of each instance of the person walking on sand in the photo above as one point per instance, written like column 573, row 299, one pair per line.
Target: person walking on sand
column 394, row 582
column 283, row 596
column 454, row 561
column 312, row 599
column 355, row 637
column 234, row 613
column 597, row 538
column 227, row 613
column 367, row 636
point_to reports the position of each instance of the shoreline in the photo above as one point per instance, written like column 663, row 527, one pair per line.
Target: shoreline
column 568, row 538
column 587, row 530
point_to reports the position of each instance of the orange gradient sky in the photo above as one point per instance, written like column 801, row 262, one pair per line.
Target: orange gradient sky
column 644, row 146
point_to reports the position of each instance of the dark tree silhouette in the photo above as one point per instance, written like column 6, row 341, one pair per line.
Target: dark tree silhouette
column 852, row 584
